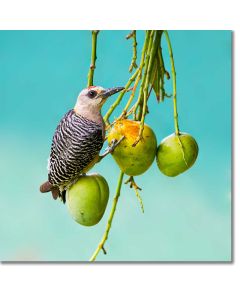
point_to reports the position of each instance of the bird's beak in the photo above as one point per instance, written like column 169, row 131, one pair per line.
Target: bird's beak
column 109, row 92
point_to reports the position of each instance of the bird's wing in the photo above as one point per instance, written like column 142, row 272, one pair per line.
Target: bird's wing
column 75, row 144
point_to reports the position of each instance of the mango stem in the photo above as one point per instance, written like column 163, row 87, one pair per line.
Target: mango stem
column 93, row 57
column 109, row 222
column 175, row 113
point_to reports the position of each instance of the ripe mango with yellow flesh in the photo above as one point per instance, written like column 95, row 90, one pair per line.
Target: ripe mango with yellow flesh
column 133, row 160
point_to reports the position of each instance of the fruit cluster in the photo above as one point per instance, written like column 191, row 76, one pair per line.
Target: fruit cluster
column 87, row 199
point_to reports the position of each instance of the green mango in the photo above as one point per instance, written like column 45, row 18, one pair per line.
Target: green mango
column 176, row 154
column 87, row 199
column 133, row 160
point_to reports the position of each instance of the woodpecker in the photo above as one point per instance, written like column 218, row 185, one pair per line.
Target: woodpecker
column 77, row 141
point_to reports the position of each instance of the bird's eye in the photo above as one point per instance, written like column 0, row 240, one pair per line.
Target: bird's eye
column 92, row 94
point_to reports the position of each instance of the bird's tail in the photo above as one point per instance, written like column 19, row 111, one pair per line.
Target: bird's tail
column 48, row 187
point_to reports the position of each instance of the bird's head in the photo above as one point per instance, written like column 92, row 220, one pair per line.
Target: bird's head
column 94, row 97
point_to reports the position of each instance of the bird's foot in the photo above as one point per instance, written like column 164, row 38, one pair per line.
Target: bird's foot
column 73, row 181
column 111, row 147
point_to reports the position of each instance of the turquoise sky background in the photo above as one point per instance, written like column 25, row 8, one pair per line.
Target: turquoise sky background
column 187, row 218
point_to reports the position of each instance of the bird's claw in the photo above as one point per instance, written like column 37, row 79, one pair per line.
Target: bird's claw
column 114, row 144
column 111, row 147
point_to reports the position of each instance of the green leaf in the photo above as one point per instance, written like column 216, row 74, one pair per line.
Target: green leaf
column 155, row 77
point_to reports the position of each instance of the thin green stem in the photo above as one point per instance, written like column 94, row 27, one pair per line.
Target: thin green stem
column 152, row 57
column 124, row 113
column 119, row 98
column 146, row 47
column 145, row 84
column 134, row 57
column 146, row 78
column 139, row 74
column 175, row 113
column 93, row 57
column 109, row 223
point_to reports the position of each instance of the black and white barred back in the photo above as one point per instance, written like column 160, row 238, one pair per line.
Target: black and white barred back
column 76, row 142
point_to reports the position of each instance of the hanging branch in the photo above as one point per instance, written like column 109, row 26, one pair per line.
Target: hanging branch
column 119, row 98
column 152, row 58
column 162, row 73
column 145, row 83
column 93, row 57
column 138, row 74
column 142, row 62
column 109, row 223
column 146, row 47
column 134, row 57
column 175, row 113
